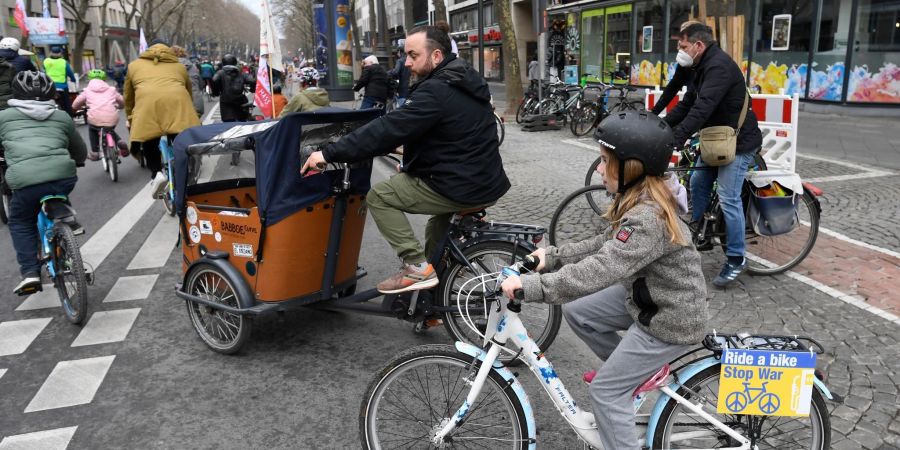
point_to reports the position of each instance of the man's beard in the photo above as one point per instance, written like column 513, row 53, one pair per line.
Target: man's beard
column 416, row 77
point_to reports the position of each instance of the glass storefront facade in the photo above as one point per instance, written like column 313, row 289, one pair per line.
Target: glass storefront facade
column 463, row 29
column 824, row 50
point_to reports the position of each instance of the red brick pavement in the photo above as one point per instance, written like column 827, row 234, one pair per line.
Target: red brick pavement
column 855, row 270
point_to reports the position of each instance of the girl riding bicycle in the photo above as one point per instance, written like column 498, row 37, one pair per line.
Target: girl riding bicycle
column 103, row 103
column 641, row 275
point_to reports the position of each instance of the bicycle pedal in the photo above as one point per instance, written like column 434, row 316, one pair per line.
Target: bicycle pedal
column 29, row 291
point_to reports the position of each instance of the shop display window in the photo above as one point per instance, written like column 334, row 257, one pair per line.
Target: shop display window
column 648, row 65
column 826, row 75
column 783, row 38
column 875, row 77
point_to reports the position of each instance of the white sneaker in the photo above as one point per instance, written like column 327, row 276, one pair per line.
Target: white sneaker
column 158, row 185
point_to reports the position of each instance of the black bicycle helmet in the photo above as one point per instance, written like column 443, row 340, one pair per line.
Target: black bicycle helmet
column 30, row 85
column 229, row 60
column 638, row 135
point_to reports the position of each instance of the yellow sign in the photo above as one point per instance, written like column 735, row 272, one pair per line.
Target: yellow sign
column 764, row 382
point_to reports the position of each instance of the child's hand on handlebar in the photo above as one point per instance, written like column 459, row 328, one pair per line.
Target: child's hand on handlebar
column 510, row 285
column 316, row 161
column 540, row 255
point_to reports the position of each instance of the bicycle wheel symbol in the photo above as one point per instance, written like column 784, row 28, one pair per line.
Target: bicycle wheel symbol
column 736, row 401
column 769, row 403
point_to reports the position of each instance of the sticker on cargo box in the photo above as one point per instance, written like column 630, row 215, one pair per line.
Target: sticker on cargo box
column 194, row 232
column 218, row 237
column 192, row 215
column 206, row 227
column 243, row 250
column 233, row 213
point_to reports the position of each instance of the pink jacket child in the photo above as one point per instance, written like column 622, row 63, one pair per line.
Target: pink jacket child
column 103, row 103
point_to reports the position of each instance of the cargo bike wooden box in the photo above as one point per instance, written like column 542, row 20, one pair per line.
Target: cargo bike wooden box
column 279, row 241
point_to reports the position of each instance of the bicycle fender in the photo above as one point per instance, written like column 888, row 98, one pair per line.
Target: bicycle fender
column 244, row 294
column 517, row 388
column 689, row 372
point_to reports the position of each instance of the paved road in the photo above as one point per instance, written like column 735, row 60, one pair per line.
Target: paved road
column 136, row 376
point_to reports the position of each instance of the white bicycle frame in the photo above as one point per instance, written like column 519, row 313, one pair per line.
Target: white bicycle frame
column 504, row 325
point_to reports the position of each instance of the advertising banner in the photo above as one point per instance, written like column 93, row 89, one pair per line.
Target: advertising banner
column 320, row 20
column 764, row 382
column 44, row 31
column 342, row 38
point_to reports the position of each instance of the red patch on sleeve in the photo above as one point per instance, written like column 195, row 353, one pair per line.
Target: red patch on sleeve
column 624, row 233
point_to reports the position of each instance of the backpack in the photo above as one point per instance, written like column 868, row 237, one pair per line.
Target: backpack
column 233, row 88
column 7, row 73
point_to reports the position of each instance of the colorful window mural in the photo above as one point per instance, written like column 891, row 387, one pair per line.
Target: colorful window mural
column 876, row 52
column 648, row 64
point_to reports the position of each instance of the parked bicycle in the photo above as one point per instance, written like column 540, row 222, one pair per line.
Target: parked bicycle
column 598, row 102
column 579, row 216
column 442, row 396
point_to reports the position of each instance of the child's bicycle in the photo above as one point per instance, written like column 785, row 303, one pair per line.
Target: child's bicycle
column 109, row 152
column 59, row 252
column 441, row 396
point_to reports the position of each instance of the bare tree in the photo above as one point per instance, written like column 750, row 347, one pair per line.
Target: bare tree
column 78, row 10
column 512, row 76
column 440, row 10
column 409, row 20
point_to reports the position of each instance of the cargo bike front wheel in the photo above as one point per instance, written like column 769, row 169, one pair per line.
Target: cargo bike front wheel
column 223, row 331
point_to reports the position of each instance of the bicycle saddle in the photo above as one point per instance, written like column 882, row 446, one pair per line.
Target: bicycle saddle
column 56, row 208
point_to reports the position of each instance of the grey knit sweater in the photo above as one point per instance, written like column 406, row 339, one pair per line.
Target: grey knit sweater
column 665, row 282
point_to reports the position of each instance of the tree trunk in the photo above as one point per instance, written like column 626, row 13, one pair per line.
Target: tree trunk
column 373, row 24
column 81, row 33
column 512, row 76
column 354, row 28
column 409, row 21
column 440, row 10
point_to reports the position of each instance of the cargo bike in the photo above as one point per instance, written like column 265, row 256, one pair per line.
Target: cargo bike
column 272, row 239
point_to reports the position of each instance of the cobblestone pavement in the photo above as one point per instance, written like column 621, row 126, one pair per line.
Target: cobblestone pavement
column 863, row 358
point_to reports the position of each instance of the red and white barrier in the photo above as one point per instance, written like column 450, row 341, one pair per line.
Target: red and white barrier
column 778, row 115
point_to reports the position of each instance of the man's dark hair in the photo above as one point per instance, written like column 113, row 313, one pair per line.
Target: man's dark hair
column 276, row 89
column 698, row 32
column 435, row 38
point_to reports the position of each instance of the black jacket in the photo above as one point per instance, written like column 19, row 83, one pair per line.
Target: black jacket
column 715, row 97
column 20, row 62
column 401, row 74
column 448, row 134
column 375, row 80
column 682, row 76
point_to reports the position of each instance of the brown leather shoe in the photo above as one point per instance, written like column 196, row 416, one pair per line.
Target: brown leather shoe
column 409, row 279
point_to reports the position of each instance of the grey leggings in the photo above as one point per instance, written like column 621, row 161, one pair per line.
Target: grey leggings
column 629, row 361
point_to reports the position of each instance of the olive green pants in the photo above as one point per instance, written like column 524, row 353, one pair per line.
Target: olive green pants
column 388, row 202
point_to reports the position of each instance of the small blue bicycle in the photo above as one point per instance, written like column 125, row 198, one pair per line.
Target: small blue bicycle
column 59, row 252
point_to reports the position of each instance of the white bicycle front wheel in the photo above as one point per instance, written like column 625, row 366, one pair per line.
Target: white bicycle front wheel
column 420, row 391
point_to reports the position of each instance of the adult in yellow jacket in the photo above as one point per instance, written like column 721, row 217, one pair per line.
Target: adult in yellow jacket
column 157, row 103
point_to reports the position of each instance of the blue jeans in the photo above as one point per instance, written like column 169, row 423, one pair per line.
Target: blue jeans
column 401, row 101
column 23, row 212
column 370, row 102
column 730, row 178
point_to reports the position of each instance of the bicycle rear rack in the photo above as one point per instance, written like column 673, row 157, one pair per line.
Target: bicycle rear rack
column 716, row 343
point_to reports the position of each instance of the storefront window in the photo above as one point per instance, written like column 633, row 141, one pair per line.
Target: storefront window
column 648, row 65
column 593, row 36
column 783, row 37
column 876, row 53
column 729, row 19
column 606, row 44
column 826, row 78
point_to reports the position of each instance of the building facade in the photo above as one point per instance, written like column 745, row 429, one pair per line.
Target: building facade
column 824, row 50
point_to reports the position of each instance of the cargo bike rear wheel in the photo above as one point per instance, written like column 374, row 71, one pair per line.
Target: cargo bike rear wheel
column 223, row 331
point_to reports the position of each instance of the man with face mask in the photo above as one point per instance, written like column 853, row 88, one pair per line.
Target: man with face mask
column 716, row 97
column 680, row 78
column 451, row 157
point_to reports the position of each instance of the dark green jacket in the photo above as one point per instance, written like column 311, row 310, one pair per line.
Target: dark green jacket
column 40, row 143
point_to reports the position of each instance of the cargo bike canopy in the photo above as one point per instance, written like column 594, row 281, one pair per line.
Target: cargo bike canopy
column 281, row 189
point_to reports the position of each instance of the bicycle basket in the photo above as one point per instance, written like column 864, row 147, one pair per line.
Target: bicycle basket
column 592, row 93
column 771, row 215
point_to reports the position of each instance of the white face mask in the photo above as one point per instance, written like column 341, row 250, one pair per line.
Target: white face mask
column 684, row 59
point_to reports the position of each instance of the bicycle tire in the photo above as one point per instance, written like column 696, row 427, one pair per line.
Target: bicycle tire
column 671, row 421
column 593, row 178
column 771, row 255
column 212, row 324
column 501, row 130
column 435, row 404
column 573, row 221
column 5, row 199
column 492, row 256
column 583, row 119
column 112, row 156
column 69, row 270
column 520, row 111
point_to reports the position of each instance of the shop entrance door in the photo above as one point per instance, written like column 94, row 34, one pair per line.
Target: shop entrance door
column 606, row 44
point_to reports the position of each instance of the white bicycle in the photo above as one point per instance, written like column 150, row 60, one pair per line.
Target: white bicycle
column 442, row 396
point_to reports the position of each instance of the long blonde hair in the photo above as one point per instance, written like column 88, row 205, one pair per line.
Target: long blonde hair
column 650, row 186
